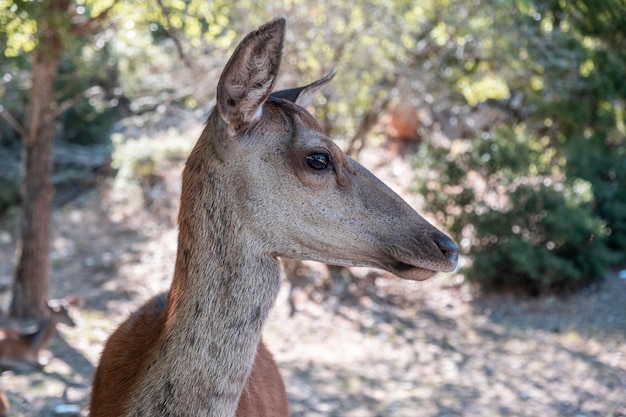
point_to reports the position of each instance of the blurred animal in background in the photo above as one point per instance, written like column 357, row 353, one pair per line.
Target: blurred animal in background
column 20, row 349
column 402, row 122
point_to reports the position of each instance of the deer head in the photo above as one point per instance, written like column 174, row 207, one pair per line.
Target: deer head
column 293, row 192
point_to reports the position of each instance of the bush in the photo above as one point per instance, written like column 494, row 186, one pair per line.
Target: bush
column 547, row 240
column 523, row 224
column 605, row 168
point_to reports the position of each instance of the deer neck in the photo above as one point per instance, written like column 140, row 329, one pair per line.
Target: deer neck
column 222, row 292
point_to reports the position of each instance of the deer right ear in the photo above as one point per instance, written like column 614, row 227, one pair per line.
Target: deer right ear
column 250, row 75
column 303, row 96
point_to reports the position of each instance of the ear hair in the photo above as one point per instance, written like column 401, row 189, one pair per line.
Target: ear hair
column 250, row 75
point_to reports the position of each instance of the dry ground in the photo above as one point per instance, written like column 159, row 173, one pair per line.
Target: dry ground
column 382, row 348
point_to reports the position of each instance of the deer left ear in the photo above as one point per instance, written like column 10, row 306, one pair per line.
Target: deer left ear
column 250, row 75
column 303, row 96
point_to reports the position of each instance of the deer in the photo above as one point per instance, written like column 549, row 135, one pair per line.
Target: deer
column 402, row 123
column 20, row 349
column 262, row 182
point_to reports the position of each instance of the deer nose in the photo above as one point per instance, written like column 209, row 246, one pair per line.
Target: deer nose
column 447, row 247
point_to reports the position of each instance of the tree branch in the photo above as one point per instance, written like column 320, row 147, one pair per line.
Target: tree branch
column 368, row 121
column 172, row 34
column 17, row 126
column 70, row 102
column 93, row 25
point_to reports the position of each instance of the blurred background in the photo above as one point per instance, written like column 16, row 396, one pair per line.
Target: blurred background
column 503, row 122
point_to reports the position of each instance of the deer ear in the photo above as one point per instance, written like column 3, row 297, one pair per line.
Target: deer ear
column 250, row 75
column 303, row 96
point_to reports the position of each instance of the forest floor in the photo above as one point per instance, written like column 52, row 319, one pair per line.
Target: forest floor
column 377, row 346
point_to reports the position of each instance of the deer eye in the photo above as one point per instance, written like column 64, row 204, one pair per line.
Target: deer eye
column 317, row 160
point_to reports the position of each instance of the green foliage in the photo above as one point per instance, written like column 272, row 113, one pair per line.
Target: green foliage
column 546, row 240
column 605, row 168
column 8, row 194
column 18, row 27
column 87, row 123
column 519, row 222
column 540, row 205
column 88, row 82
column 82, row 78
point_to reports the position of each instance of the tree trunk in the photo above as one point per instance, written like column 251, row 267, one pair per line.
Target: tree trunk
column 30, row 288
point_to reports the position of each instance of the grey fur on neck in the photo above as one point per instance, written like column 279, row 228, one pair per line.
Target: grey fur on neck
column 224, row 288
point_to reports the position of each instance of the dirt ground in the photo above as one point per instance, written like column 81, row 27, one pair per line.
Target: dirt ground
column 382, row 347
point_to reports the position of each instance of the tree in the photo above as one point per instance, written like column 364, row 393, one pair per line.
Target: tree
column 55, row 21
column 30, row 290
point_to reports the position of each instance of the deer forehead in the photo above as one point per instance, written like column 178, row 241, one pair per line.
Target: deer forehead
column 285, row 132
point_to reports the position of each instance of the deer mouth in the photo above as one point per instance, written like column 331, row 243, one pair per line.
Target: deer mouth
column 408, row 271
column 419, row 265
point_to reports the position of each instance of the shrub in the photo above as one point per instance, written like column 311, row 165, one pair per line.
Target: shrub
column 604, row 167
column 547, row 239
column 522, row 223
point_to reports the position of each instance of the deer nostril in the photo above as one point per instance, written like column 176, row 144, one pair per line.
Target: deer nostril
column 447, row 247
